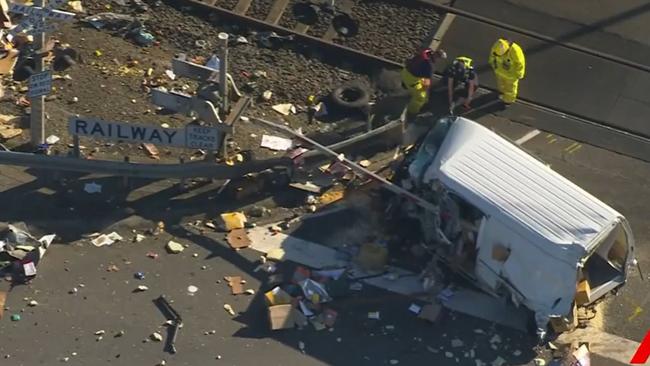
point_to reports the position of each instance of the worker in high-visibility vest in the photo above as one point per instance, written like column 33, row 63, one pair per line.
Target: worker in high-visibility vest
column 460, row 73
column 509, row 65
column 416, row 78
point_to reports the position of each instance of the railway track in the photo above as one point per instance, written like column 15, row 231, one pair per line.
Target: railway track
column 333, row 47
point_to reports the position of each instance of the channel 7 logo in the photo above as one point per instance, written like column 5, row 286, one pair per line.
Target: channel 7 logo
column 643, row 352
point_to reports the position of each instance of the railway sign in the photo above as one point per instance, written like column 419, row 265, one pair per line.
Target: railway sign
column 192, row 136
column 36, row 17
column 40, row 84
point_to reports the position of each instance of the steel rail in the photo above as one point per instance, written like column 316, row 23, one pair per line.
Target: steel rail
column 536, row 35
column 260, row 24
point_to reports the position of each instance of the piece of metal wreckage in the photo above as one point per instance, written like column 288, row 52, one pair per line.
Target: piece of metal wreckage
column 176, row 322
column 426, row 205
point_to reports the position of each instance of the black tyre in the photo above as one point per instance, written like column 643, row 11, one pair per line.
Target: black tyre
column 351, row 96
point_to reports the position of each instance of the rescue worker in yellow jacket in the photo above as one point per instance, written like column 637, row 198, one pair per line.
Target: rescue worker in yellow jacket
column 416, row 78
column 509, row 65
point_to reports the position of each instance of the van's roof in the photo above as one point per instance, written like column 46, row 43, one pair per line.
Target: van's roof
column 509, row 184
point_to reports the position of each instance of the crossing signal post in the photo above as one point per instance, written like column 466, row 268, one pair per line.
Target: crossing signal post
column 36, row 22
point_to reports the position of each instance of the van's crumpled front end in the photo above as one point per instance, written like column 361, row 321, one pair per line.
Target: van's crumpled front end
column 515, row 226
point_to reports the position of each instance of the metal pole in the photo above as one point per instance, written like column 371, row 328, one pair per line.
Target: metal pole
column 223, row 72
column 37, row 116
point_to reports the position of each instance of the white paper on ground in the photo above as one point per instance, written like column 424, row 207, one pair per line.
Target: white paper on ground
column 30, row 269
column 276, row 143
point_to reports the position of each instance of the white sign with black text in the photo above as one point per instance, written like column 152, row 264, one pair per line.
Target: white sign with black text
column 40, row 84
column 192, row 136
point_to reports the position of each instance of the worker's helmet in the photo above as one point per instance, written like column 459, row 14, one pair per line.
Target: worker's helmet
column 501, row 47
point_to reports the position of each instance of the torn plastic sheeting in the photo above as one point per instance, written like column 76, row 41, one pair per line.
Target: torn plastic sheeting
column 314, row 291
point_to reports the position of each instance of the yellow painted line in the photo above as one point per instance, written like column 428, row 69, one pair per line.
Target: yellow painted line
column 442, row 29
column 548, row 136
column 636, row 313
column 571, row 146
column 552, row 141
column 575, row 149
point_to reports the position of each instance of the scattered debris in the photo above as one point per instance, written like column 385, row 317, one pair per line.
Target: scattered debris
column 234, row 220
column 93, row 188
column 8, row 132
column 374, row 315
column 393, row 362
column 3, row 299
column 414, row 308
column 191, row 290
column 284, row 109
column 430, row 312
column 234, row 282
column 238, row 239
column 151, row 150
column 499, row 361
column 104, row 239
column 112, row 268
column 229, row 309
column 250, row 291
column 138, row 238
column 142, row 288
column 276, row 143
column 365, row 163
column 174, row 247
column 456, row 343
column 15, row 317
column 157, row 337
column 267, row 94
column 52, row 139
column 174, row 320
column 152, row 255
column 308, row 187
column 139, row 275
column 100, row 332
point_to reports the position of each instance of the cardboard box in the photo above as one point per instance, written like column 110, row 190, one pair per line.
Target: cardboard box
column 372, row 257
column 281, row 316
column 583, row 293
column 277, row 296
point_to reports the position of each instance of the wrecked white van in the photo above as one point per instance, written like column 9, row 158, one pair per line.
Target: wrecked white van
column 516, row 226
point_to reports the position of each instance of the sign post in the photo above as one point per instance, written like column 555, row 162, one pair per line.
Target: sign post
column 35, row 23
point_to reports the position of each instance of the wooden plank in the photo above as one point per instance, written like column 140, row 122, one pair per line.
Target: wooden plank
column 301, row 28
column 276, row 11
column 237, row 110
column 242, row 6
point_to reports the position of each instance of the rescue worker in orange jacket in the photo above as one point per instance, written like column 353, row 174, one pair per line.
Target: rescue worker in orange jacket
column 416, row 78
column 509, row 65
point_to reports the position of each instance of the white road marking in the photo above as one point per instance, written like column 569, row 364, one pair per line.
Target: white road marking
column 527, row 137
